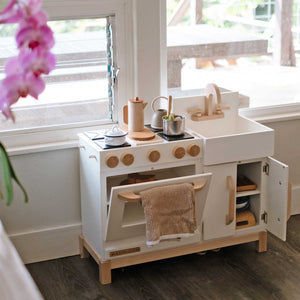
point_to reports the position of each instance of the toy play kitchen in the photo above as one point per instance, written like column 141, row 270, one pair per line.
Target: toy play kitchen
column 213, row 186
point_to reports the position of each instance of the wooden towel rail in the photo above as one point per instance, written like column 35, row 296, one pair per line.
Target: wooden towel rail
column 132, row 197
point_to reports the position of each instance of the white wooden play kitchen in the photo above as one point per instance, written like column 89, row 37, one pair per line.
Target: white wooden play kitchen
column 240, row 192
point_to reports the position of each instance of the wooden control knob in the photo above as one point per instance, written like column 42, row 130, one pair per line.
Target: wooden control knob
column 179, row 152
column 153, row 155
column 111, row 161
column 193, row 150
column 127, row 159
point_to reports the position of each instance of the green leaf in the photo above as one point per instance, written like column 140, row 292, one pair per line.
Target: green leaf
column 6, row 175
column 12, row 174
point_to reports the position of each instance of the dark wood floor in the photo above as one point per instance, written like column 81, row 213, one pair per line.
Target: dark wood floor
column 236, row 272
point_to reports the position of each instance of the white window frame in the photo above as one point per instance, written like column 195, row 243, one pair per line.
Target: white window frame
column 72, row 9
column 141, row 55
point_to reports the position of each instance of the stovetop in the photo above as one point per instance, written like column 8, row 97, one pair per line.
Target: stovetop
column 97, row 137
column 103, row 146
column 171, row 138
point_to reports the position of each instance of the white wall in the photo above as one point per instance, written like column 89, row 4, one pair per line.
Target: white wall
column 49, row 224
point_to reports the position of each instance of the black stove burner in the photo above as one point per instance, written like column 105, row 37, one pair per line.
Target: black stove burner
column 171, row 138
column 153, row 129
column 103, row 146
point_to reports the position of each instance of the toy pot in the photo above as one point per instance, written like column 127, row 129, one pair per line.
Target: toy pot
column 175, row 126
column 157, row 117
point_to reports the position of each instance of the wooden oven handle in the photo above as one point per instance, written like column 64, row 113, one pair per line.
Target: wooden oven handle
column 231, row 187
column 132, row 197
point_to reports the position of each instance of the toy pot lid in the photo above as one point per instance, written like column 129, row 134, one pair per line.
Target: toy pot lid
column 115, row 132
column 136, row 100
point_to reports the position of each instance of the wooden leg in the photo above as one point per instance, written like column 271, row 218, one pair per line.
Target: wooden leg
column 83, row 252
column 262, row 242
column 105, row 272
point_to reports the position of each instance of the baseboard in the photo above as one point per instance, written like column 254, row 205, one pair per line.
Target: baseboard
column 295, row 205
column 49, row 243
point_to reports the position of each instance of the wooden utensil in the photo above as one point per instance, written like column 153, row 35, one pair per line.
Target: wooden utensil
column 169, row 105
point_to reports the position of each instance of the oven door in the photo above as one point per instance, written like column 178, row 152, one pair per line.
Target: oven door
column 126, row 219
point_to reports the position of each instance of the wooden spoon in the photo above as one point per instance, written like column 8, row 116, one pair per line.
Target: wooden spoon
column 169, row 105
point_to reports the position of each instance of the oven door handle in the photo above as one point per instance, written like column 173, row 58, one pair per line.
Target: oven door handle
column 132, row 197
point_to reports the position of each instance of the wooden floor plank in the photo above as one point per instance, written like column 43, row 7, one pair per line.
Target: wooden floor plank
column 236, row 272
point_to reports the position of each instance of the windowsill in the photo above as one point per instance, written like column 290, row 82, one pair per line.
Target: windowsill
column 47, row 138
column 62, row 137
column 274, row 113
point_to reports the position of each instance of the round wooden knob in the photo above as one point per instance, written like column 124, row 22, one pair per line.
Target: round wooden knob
column 127, row 159
column 153, row 155
column 193, row 150
column 179, row 152
column 111, row 161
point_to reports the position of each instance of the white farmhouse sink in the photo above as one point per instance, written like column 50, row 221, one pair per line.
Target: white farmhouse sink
column 239, row 139
column 227, row 139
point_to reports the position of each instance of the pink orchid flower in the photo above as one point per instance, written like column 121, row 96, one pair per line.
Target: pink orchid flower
column 4, row 104
column 12, row 13
column 35, row 36
column 16, row 10
column 38, row 62
column 17, row 86
column 34, row 39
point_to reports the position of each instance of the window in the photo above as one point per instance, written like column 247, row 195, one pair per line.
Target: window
column 245, row 45
column 83, row 89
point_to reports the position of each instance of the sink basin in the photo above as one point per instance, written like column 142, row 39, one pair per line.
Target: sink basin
column 230, row 138
column 239, row 139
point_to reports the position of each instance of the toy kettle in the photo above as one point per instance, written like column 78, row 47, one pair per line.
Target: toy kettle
column 157, row 117
column 134, row 114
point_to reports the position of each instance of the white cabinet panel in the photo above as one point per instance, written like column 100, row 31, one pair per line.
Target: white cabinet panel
column 276, row 200
column 217, row 204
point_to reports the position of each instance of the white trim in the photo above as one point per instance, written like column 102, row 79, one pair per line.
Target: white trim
column 295, row 205
column 123, row 10
column 24, row 140
column 274, row 113
column 42, row 148
column 49, row 243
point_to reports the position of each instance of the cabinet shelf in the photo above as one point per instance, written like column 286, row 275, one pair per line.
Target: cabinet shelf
column 247, row 193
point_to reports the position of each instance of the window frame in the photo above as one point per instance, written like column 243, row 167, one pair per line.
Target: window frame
column 74, row 9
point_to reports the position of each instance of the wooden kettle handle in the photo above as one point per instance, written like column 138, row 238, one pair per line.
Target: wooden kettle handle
column 125, row 114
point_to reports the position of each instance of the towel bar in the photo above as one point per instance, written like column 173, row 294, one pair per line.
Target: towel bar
column 132, row 197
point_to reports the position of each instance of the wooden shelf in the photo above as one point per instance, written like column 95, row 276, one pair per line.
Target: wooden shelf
column 244, row 184
column 247, row 193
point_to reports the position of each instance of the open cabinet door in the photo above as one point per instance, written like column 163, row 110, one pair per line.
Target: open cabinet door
column 127, row 220
column 277, row 197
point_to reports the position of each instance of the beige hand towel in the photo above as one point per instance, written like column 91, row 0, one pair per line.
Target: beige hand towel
column 169, row 212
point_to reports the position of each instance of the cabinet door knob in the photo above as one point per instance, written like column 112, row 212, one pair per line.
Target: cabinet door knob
column 179, row 152
column 193, row 150
column 127, row 159
column 111, row 161
column 153, row 155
